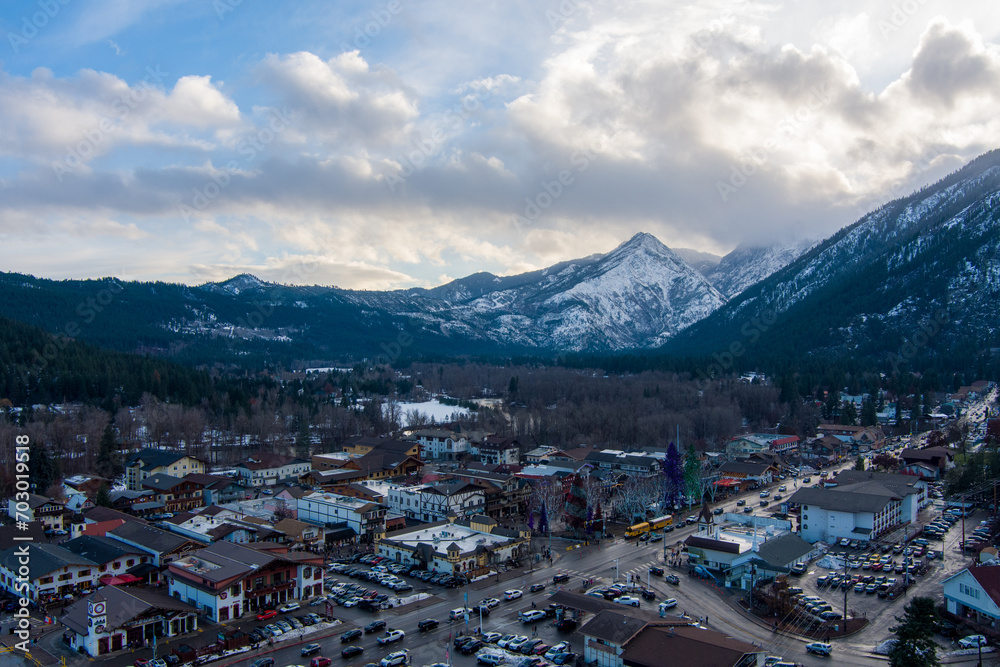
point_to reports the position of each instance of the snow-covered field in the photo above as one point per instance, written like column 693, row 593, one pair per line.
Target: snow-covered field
column 432, row 409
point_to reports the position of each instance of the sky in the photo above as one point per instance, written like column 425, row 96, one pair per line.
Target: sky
column 394, row 143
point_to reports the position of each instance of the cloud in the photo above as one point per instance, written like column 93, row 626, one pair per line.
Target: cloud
column 952, row 62
column 341, row 101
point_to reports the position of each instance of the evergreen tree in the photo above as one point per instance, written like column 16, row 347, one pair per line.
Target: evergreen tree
column 103, row 496
column 915, row 645
column 109, row 461
column 692, row 473
column 673, row 479
column 869, row 413
column 860, row 463
column 43, row 470
column 849, row 414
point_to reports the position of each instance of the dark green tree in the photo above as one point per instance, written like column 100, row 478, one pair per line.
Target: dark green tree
column 860, row 463
column 869, row 413
column 43, row 470
column 109, row 461
column 915, row 645
column 849, row 414
column 103, row 496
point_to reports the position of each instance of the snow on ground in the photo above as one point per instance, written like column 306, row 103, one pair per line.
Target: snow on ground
column 434, row 410
column 399, row 602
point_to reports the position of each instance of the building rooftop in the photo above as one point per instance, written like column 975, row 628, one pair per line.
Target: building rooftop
column 443, row 535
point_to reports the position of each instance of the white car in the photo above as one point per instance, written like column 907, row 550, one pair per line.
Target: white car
column 669, row 603
column 492, row 637
column 491, row 602
column 972, row 641
column 291, row 606
column 626, row 599
column 353, row 602
column 516, row 643
column 819, row 648
column 532, row 616
column 391, row 636
column 396, row 658
column 512, row 594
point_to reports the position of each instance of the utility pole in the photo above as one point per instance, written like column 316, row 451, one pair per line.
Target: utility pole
column 846, row 588
column 616, row 569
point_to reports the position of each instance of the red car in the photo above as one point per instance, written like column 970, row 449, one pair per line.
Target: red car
column 265, row 615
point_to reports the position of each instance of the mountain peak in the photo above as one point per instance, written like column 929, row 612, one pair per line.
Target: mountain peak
column 643, row 240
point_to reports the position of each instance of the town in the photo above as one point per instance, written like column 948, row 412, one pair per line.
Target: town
column 772, row 549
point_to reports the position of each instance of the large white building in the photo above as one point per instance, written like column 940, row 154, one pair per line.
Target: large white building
column 460, row 547
column 434, row 502
column 268, row 470
column 365, row 518
column 226, row 580
column 860, row 507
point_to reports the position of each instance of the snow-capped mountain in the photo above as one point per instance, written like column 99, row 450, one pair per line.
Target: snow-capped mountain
column 747, row 265
column 918, row 277
column 638, row 295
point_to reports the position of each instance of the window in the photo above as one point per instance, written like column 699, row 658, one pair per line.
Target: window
column 83, row 573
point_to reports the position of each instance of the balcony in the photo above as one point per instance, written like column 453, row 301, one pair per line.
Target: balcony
column 267, row 590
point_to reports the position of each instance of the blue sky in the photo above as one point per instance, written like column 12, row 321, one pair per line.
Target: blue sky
column 393, row 144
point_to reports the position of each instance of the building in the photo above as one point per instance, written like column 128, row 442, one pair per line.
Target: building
column 497, row 450
column 271, row 469
column 218, row 489
column 752, row 475
column 630, row 638
column 366, row 519
column 116, row 617
column 161, row 545
column 634, row 465
column 506, row 495
column 931, row 463
column 361, row 445
column 744, row 445
column 49, row 512
column 857, row 511
column 148, row 462
column 438, row 444
column 973, row 594
column 226, row 580
column 174, row 493
column 55, row 571
column 467, row 548
column 434, row 502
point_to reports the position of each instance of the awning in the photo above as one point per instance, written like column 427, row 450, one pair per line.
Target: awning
column 142, row 569
column 129, row 578
column 729, row 482
column 862, row 531
column 109, row 580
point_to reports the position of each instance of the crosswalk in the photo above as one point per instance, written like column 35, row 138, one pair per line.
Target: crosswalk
column 637, row 573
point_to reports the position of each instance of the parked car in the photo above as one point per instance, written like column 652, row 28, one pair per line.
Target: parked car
column 532, row 616
column 265, row 615
column 490, row 659
column 672, row 579
column 972, row 641
column 647, row 594
column 566, row 624
column 287, row 607
column 628, row 600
